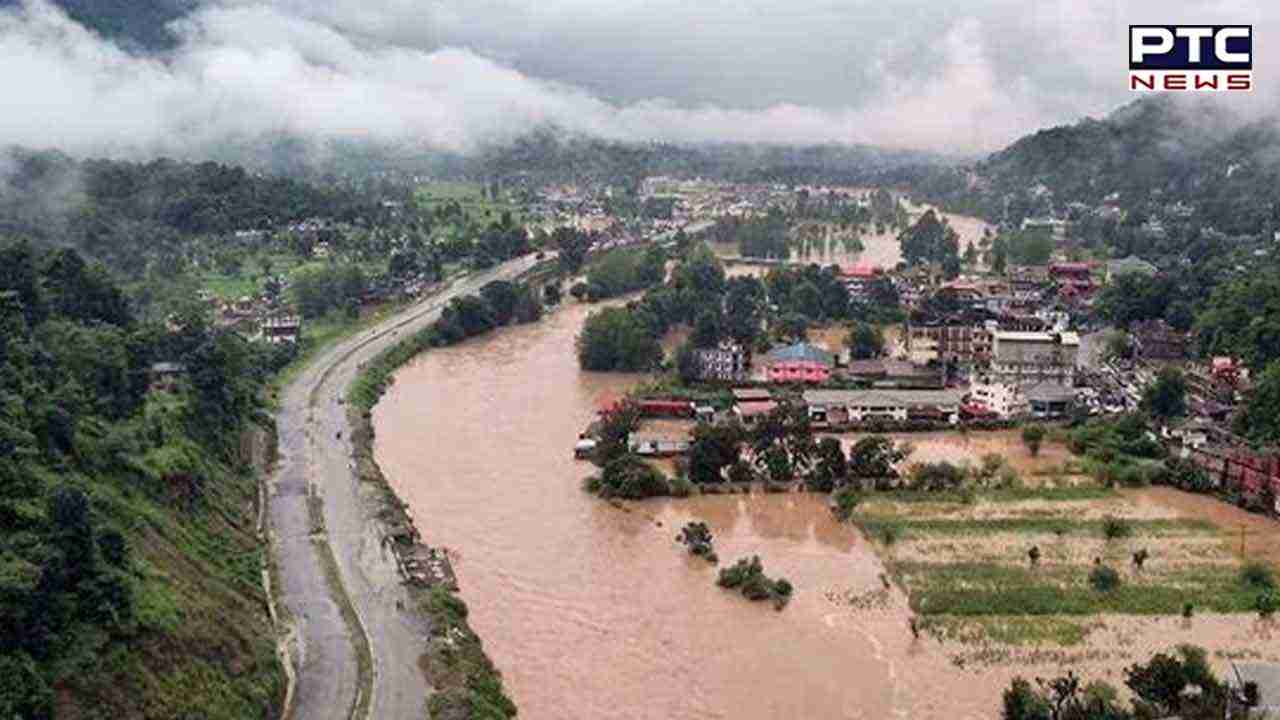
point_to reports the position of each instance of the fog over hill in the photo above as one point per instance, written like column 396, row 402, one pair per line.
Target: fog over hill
column 186, row 78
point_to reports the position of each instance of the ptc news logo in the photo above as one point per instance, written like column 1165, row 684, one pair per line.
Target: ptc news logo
column 1191, row 58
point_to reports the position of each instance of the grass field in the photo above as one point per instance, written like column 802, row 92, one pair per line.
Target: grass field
column 470, row 196
column 964, row 561
column 250, row 280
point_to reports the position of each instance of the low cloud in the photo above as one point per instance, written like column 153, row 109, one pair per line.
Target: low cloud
column 450, row 76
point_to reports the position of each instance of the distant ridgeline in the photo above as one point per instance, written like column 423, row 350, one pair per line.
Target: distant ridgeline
column 1152, row 152
column 547, row 154
column 131, row 214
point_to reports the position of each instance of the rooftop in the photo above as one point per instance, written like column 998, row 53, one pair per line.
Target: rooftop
column 1049, row 392
column 751, row 394
column 801, row 352
column 1066, row 338
column 883, row 398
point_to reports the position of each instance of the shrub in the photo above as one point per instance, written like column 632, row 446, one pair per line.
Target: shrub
column 631, row 478
column 1258, row 575
column 1104, row 578
column 1034, row 555
column 1114, row 528
column 844, row 502
column 697, row 537
column 741, row 472
column 1266, row 604
column 936, row 477
column 1033, row 437
column 747, row 576
column 1140, row 558
column 681, row 486
column 889, row 535
column 1188, row 610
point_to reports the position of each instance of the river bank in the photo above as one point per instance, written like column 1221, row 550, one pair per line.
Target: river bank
column 335, row 576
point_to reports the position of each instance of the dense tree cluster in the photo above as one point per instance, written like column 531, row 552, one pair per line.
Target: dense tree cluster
column 78, row 426
column 624, row 271
column 931, row 240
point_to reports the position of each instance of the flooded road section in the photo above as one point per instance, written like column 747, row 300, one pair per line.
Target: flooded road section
column 594, row 612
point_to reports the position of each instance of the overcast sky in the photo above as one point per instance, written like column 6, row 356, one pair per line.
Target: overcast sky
column 953, row 77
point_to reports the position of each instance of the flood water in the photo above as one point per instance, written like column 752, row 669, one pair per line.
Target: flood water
column 595, row 612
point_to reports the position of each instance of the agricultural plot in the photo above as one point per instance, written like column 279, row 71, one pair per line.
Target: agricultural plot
column 1050, row 565
column 471, row 197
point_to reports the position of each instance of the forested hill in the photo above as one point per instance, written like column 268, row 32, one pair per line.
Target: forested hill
column 547, row 154
column 131, row 214
column 1154, row 151
column 139, row 25
column 130, row 570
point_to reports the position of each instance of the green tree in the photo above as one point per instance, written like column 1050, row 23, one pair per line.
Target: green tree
column 1260, row 421
column 1167, row 397
column 864, row 341
column 831, row 468
column 875, row 457
column 744, row 309
column 707, row 330
column 714, row 448
column 613, row 339
column 573, row 246
column 502, row 297
column 1033, row 437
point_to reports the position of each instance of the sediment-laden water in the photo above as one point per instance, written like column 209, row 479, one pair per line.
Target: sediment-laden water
column 594, row 612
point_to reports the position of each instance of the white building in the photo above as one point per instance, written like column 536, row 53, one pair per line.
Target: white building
column 1034, row 357
column 1004, row 399
column 896, row 405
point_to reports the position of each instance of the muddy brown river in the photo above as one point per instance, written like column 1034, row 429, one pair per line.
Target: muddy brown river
column 594, row 612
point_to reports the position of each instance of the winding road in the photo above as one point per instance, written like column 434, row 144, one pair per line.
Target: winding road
column 340, row 587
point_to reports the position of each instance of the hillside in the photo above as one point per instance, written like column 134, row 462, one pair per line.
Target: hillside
column 1150, row 153
column 130, row 566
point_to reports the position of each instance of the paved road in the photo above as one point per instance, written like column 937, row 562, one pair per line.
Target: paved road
column 315, row 470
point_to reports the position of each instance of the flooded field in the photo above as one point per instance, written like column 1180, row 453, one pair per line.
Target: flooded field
column 959, row 448
column 594, row 611
column 838, row 247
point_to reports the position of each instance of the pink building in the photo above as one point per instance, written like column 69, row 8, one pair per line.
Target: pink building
column 799, row 363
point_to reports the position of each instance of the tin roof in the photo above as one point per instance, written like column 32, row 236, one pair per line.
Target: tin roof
column 801, row 352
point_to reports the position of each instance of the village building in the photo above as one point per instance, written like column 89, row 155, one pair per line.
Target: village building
column 283, row 329
column 859, row 278
column 726, row 362
column 665, row 408
column 1195, row 433
column 1049, row 401
column 1055, row 227
column 1005, row 400
column 947, row 342
column 1073, row 279
column 1033, row 357
column 800, row 362
column 749, row 404
column 1155, row 340
column 891, row 373
column 165, row 376
column 1129, row 265
column 839, row 406
column 655, row 445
